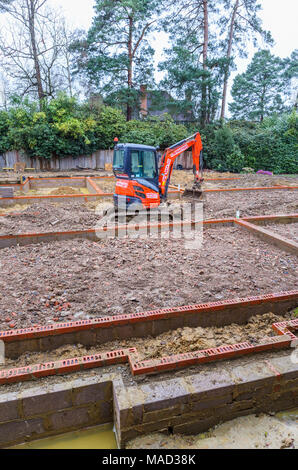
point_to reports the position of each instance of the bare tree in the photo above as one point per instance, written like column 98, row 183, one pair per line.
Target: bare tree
column 35, row 49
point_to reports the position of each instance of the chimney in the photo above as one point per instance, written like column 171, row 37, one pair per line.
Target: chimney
column 144, row 101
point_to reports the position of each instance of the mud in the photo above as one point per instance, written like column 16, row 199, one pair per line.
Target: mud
column 78, row 279
column 279, row 431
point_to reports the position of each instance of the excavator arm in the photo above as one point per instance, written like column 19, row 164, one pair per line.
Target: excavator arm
column 167, row 162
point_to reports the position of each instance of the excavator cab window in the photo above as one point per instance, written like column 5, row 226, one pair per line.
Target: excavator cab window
column 143, row 164
column 118, row 162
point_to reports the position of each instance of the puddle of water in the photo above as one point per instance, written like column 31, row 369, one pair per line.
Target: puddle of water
column 99, row 437
column 288, row 417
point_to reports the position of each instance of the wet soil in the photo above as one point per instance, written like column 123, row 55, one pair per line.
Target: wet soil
column 77, row 279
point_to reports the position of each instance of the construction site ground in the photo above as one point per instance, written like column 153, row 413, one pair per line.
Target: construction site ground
column 118, row 276
column 48, row 216
column 70, row 280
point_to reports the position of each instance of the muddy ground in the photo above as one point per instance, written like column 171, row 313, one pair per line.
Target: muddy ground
column 177, row 341
column 279, row 431
column 49, row 216
column 78, row 279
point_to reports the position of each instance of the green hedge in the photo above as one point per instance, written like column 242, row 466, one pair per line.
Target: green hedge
column 271, row 145
column 65, row 127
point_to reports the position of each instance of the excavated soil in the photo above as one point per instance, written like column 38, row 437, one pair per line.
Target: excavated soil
column 226, row 204
column 49, row 217
column 289, row 231
column 78, row 279
column 185, row 177
column 173, row 342
column 59, row 191
column 75, row 215
column 106, row 185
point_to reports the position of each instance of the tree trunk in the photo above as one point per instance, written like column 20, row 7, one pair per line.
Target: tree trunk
column 129, row 71
column 229, row 52
column 31, row 17
column 205, row 56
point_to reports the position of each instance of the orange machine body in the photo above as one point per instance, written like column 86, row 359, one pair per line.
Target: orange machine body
column 144, row 181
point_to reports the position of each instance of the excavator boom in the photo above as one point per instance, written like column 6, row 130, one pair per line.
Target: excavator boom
column 170, row 155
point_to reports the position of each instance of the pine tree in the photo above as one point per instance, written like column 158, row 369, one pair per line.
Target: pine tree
column 262, row 89
column 240, row 24
column 116, row 56
column 193, row 68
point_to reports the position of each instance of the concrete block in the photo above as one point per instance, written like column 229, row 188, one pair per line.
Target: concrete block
column 160, row 326
column 286, row 366
column 124, row 331
column 253, row 375
column 104, row 335
column 87, row 337
column 142, row 329
column 48, row 343
column 166, row 394
column 8, row 409
column 70, row 419
column 153, row 416
column 93, row 393
column 45, row 403
column 18, row 431
column 104, row 412
column 16, row 348
column 205, row 386
column 210, row 404
column 196, row 426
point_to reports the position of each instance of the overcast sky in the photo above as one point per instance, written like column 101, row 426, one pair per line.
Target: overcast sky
column 278, row 16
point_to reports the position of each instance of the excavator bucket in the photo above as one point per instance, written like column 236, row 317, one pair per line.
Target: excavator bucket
column 195, row 192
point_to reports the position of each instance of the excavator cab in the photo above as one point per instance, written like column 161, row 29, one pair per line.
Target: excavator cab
column 136, row 170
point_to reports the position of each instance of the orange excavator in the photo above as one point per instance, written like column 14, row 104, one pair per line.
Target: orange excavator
column 142, row 182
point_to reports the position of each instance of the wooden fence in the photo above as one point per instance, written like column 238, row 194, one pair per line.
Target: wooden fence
column 95, row 161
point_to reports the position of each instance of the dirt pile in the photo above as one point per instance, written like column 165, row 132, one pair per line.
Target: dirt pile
column 65, row 190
